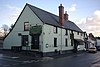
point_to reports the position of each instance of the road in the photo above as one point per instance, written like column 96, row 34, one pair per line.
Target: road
column 73, row 60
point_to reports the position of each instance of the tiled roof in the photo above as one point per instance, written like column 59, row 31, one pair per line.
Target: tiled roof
column 49, row 18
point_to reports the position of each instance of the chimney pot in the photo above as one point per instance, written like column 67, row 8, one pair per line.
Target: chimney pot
column 65, row 12
column 65, row 16
column 60, row 4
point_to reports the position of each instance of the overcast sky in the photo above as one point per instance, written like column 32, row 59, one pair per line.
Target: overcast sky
column 85, row 13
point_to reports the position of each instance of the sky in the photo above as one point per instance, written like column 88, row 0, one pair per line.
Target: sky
column 84, row 13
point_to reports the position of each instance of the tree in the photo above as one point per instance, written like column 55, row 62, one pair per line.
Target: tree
column 5, row 29
column 91, row 36
column 11, row 27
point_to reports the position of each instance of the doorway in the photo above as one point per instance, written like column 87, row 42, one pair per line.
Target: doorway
column 72, row 39
column 35, row 41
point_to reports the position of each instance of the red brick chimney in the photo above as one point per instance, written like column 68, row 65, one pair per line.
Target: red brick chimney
column 65, row 16
column 61, row 14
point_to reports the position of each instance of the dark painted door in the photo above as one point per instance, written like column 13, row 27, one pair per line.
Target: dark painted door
column 24, row 40
column 35, row 42
column 72, row 39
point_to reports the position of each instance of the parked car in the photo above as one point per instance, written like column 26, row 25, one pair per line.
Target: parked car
column 92, row 49
column 98, row 44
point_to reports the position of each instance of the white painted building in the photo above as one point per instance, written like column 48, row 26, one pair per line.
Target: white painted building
column 98, row 43
column 39, row 30
column 91, row 41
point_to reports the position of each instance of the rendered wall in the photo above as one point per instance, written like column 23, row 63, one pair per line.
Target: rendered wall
column 13, row 39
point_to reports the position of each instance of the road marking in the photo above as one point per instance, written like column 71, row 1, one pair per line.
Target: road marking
column 97, row 60
column 10, row 60
column 31, row 61
column 36, row 61
column 95, row 65
column 10, row 57
column 14, row 57
column 26, row 61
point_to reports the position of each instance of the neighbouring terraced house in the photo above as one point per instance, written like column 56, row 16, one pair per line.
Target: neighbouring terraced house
column 41, row 31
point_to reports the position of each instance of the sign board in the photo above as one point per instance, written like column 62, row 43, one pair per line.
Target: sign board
column 35, row 30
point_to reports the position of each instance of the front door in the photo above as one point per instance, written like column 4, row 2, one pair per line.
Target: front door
column 35, row 42
column 72, row 39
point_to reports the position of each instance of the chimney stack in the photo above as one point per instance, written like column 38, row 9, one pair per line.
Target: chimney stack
column 61, row 14
column 65, row 16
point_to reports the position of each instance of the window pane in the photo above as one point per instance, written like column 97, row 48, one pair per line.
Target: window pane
column 66, row 32
column 55, row 30
column 77, row 33
column 26, row 26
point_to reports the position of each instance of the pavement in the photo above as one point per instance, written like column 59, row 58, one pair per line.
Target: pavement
column 14, row 59
column 11, row 59
column 19, row 54
column 31, row 55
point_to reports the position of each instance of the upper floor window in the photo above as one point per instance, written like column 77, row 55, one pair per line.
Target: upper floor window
column 71, row 32
column 26, row 26
column 81, row 34
column 66, row 33
column 77, row 33
column 55, row 30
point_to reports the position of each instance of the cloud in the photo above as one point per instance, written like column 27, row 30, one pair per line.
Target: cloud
column 91, row 24
column 10, row 15
column 14, row 12
column 81, row 21
column 72, row 8
column 14, row 8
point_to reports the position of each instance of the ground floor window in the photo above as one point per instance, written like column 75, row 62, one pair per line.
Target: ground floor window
column 66, row 42
column 72, row 42
column 55, row 42
column 24, row 40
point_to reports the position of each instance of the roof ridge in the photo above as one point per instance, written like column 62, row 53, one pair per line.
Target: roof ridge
column 54, row 17
column 41, row 9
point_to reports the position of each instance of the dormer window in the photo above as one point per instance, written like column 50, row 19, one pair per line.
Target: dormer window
column 26, row 26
